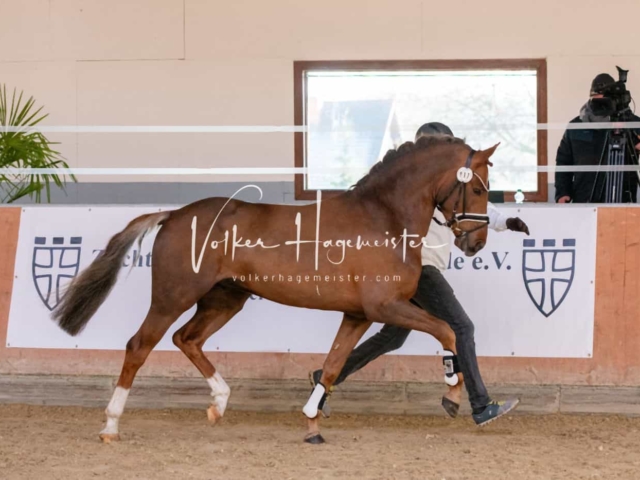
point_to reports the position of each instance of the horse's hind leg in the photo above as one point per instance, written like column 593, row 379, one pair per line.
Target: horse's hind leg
column 350, row 332
column 215, row 309
column 150, row 333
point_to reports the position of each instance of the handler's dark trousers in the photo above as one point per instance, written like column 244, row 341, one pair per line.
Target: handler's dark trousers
column 436, row 296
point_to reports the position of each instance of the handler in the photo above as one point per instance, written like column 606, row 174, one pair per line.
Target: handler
column 435, row 295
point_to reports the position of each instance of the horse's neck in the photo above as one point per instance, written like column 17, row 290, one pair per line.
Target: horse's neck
column 412, row 199
column 410, row 210
column 417, row 220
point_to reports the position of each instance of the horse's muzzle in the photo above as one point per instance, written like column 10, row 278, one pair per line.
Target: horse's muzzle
column 471, row 250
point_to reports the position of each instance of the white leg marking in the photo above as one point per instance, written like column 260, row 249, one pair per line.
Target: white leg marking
column 311, row 408
column 220, row 392
column 115, row 409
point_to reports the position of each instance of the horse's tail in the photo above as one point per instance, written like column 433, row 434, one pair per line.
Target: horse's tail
column 90, row 289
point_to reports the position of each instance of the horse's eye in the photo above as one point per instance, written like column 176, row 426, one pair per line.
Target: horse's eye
column 477, row 191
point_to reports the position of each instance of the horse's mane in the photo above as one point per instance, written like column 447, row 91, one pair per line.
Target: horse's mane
column 393, row 156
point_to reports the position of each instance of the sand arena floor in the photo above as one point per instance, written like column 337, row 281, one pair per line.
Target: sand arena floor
column 62, row 443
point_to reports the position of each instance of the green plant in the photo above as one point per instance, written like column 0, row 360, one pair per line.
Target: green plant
column 25, row 149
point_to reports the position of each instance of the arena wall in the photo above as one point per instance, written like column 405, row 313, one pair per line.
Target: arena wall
column 198, row 62
column 614, row 362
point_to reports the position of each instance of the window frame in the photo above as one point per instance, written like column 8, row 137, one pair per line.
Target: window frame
column 300, row 102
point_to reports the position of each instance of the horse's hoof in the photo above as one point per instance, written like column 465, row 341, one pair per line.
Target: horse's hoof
column 450, row 407
column 315, row 439
column 213, row 415
column 109, row 437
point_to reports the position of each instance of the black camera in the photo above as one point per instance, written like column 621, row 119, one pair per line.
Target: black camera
column 616, row 99
column 619, row 145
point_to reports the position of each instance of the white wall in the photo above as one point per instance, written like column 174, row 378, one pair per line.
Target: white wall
column 204, row 62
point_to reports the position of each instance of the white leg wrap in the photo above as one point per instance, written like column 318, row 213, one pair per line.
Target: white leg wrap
column 220, row 392
column 311, row 408
column 115, row 409
column 451, row 381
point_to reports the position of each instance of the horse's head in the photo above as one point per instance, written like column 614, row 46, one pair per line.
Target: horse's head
column 464, row 203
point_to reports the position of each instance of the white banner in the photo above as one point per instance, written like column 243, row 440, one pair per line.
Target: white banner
column 527, row 296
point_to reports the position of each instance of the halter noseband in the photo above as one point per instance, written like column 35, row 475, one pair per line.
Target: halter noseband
column 465, row 175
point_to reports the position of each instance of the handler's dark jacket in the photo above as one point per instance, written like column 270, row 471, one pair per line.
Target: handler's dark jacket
column 584, row 147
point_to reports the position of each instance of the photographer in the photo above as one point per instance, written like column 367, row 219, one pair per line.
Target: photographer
column 587, row 147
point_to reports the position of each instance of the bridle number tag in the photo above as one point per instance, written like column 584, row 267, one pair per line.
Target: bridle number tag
column 465, row 175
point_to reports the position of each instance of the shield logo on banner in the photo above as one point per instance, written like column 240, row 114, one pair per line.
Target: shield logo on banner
column 548, row 272
column 53, row 263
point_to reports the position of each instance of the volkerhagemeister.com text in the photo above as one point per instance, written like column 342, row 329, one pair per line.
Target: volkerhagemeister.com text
column 315, row 278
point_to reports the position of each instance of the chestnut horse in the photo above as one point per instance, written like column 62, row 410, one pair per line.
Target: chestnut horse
column 344, row 248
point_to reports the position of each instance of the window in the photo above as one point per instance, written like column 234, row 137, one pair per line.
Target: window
column 355, row 111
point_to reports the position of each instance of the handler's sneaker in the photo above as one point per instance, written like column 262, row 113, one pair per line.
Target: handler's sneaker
column 495, row 410
column 314, row 379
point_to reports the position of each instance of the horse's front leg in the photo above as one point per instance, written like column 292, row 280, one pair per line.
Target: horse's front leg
column 350, row 332
column 406, row 315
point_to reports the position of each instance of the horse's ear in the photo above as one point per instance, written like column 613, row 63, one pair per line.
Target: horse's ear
column 486, row 154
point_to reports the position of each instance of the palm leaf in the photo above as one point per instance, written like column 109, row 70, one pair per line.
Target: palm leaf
column 26, row 149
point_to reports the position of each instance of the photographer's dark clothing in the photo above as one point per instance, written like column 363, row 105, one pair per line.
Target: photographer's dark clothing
column 435, row 295
column 585, row 147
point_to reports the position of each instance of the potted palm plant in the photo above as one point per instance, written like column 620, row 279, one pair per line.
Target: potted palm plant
column 23, row 148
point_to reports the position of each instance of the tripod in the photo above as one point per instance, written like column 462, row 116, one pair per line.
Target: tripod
column 619, row 145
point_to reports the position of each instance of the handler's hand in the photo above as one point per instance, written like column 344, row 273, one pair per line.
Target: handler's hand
column 565, row 199
column 516, row 225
